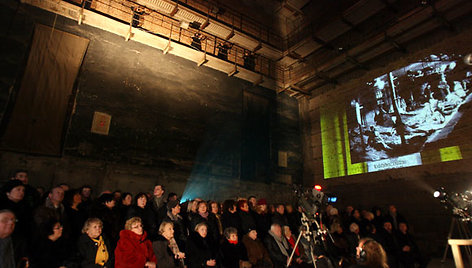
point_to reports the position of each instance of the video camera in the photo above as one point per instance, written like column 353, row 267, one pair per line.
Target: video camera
column 460, row 203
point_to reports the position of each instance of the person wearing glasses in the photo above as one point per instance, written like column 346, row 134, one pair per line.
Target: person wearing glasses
column 134, row 249
column 7, row 225
column 50, row 248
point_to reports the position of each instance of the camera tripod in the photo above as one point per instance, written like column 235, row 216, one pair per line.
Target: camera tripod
column 310, row 237
column 463, row 232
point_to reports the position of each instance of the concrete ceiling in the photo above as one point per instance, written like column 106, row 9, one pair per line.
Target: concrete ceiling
column 302, row 45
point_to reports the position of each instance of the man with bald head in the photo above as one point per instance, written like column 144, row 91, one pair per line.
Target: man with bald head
column 7, row 225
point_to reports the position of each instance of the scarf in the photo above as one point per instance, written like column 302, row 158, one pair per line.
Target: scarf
column 204, row 215
column 281, row 242
column 173, row 217
column 173, row 246
column 234, row 242
column 291, row 240
column 102, row 254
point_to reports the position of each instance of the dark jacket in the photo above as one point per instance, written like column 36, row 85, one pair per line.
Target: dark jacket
column 164, row 254
column 211, row 221
column 88, row 251
column 231, row 254
column 133, row 251
column 147, row 217
column 199, row 251
column 278, row 258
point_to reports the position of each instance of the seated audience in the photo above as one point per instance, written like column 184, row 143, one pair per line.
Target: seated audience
column 277, row 246
column 134, row 249
column 50, row 249
column 200, row 250
column 233, row 253
column 389, row 242
column 166, row 249
column 94, row 249
column 257, row 253
column 409, row 252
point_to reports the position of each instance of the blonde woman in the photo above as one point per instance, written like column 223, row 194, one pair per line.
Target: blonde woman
column 94, row 249
column 166, row 249
column 134, row 249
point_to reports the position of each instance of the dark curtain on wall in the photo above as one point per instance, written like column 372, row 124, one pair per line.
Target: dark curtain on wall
column 40, row 111
column 255, row 151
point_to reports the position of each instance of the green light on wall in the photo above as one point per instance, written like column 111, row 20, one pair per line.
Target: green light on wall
column 332, row 144
column 450, row 153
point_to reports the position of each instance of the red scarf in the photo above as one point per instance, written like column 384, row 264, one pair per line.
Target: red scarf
column 292, row 243
column 234, row 242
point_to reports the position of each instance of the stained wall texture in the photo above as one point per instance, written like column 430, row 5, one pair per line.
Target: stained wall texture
column 192, row 128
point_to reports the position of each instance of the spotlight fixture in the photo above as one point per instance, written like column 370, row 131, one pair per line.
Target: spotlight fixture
column 318, row 188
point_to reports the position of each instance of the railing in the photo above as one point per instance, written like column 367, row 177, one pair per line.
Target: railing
column 237, row 20
column 167, row 27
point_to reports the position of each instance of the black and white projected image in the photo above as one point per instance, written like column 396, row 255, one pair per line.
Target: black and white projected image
column 400, row 112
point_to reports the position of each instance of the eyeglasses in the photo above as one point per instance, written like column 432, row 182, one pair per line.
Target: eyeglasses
column 8, row 220
column 137, row 226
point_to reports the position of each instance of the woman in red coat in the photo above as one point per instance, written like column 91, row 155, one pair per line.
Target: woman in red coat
column 134, row 250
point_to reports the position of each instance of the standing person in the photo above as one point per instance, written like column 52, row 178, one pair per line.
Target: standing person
column 230, row 217
column 145, row 213
column 7, row 226
column 32, row 196
column 173, row 216
column 279, row 216
column 75, row 215
column 157, row 203
column 166, row 249
column 126, row 201
column 94, row 249
column 215, row 210
column 208, row 218
column 200, row 250
column 262, row 219
column 107, row 213
column 247, row 221
column 52, row 209
column 134, row 250
column 12, row 198
column 87, row 202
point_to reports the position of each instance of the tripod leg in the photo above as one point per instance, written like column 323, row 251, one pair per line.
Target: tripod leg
column 464, row 233
column 451, row 229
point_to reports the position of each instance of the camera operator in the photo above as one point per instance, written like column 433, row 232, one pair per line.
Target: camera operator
column 370, row 253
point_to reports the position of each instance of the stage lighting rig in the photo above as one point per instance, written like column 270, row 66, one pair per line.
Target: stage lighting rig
column 460, row 203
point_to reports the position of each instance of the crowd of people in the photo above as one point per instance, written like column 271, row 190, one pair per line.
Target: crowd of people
column 65, row 227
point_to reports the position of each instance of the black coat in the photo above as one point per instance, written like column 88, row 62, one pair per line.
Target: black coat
column 231, row 254
column 229, row 219
column 88, row 251
column 199, row 251
column 165, row 256
column 147, row 217
column 278, row 258
column 211, row 222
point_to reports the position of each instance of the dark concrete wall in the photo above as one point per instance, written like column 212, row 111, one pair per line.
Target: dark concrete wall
column 410, row 189
column 173, row 122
